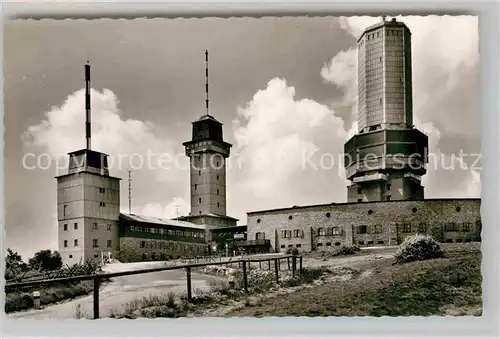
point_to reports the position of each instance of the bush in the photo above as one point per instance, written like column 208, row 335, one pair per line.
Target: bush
column 418, row 247
column 346, row 250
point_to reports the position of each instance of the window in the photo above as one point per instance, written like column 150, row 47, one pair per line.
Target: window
column 337, row 244
column 380, row 242
column 71, row 256
column 377, row 229
column 407, row 228
column 75, row 242
column 283, row 234
column 380, row 59
column 466, row 227
column 218, row 164
column 65, row 243
column 95, row 243
column 217, row 177
column 450, row 227
column 109, row 227
column 259, row 236
column 132, row 228
column 359, row 190
column 75, row 225
column 328, row 244
column 361, row 242
column 370, row 212
column 218, row 205
column 217, row 191
column 370, row 242
column 459, row 240
column 297, row 233
column 65, row 227
column 298, row 245
column 283, row 246
column 360, row 200
column 143, row 244
column 290, row 245
column 328, row 215
column 458, row 209
column 199, row 200
column 362, row 229
column 422, row 227
column 109, row 243
column 199, row 173
column 414, row 210
column 102, row 204
column 195, row 187
column 101, row 190
column 200, row 212
column 321, row 231
column 290, row 217
column 65, row 210
column 94, row 226
column 335, row 231
column 449, row 240
column 319, row 244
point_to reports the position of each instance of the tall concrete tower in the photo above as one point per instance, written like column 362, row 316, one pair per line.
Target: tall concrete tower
column 387, row 157
column 208, row 152
column 88, row 202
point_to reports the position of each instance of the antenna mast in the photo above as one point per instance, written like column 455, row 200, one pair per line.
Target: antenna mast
column 130, row 192
column 206, row 80
column 87, row 104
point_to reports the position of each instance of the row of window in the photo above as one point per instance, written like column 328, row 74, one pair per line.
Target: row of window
column 95, row 226
column 163, row 231
column 95, row 243
column 170, row 246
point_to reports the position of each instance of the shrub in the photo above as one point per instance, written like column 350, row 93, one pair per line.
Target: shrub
column 418, row 247
column 346, row 250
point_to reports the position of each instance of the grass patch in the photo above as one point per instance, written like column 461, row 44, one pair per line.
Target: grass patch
column 422, row 288
column 22, row 300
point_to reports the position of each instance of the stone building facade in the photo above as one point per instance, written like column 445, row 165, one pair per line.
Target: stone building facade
column 329, row 226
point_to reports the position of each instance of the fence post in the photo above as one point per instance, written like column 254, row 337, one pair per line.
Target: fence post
column 288, row 262
column 260, row 265
column 188, row 276
column 294, row 265
column 97, row 283
column 300, row 266
column 276, row 271
column 269, row 265
column 245, row 281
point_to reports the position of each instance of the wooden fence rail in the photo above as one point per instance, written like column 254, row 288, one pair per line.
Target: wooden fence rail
column 98, row 278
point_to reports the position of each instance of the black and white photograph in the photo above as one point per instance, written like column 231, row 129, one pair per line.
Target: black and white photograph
column 242, row 167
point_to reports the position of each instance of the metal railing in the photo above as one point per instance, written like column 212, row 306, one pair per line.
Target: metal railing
column 97, row 278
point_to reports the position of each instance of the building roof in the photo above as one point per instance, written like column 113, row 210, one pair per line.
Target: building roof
column 283, row 209
column 159, row 221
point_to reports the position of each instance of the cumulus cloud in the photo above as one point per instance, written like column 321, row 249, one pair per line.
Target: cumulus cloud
column 280, row 141
column 176, row 207
column 131, row 144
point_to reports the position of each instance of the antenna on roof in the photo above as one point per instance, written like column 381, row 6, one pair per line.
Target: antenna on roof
column 87, row 104
column 383, row 17
column 129, row 191
column 206, row 80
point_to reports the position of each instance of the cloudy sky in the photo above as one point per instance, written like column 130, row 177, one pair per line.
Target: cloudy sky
column 285, row 89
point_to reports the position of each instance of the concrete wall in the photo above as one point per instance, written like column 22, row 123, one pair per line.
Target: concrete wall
column 87, row 199
column 208, row 184
column 367, row 224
